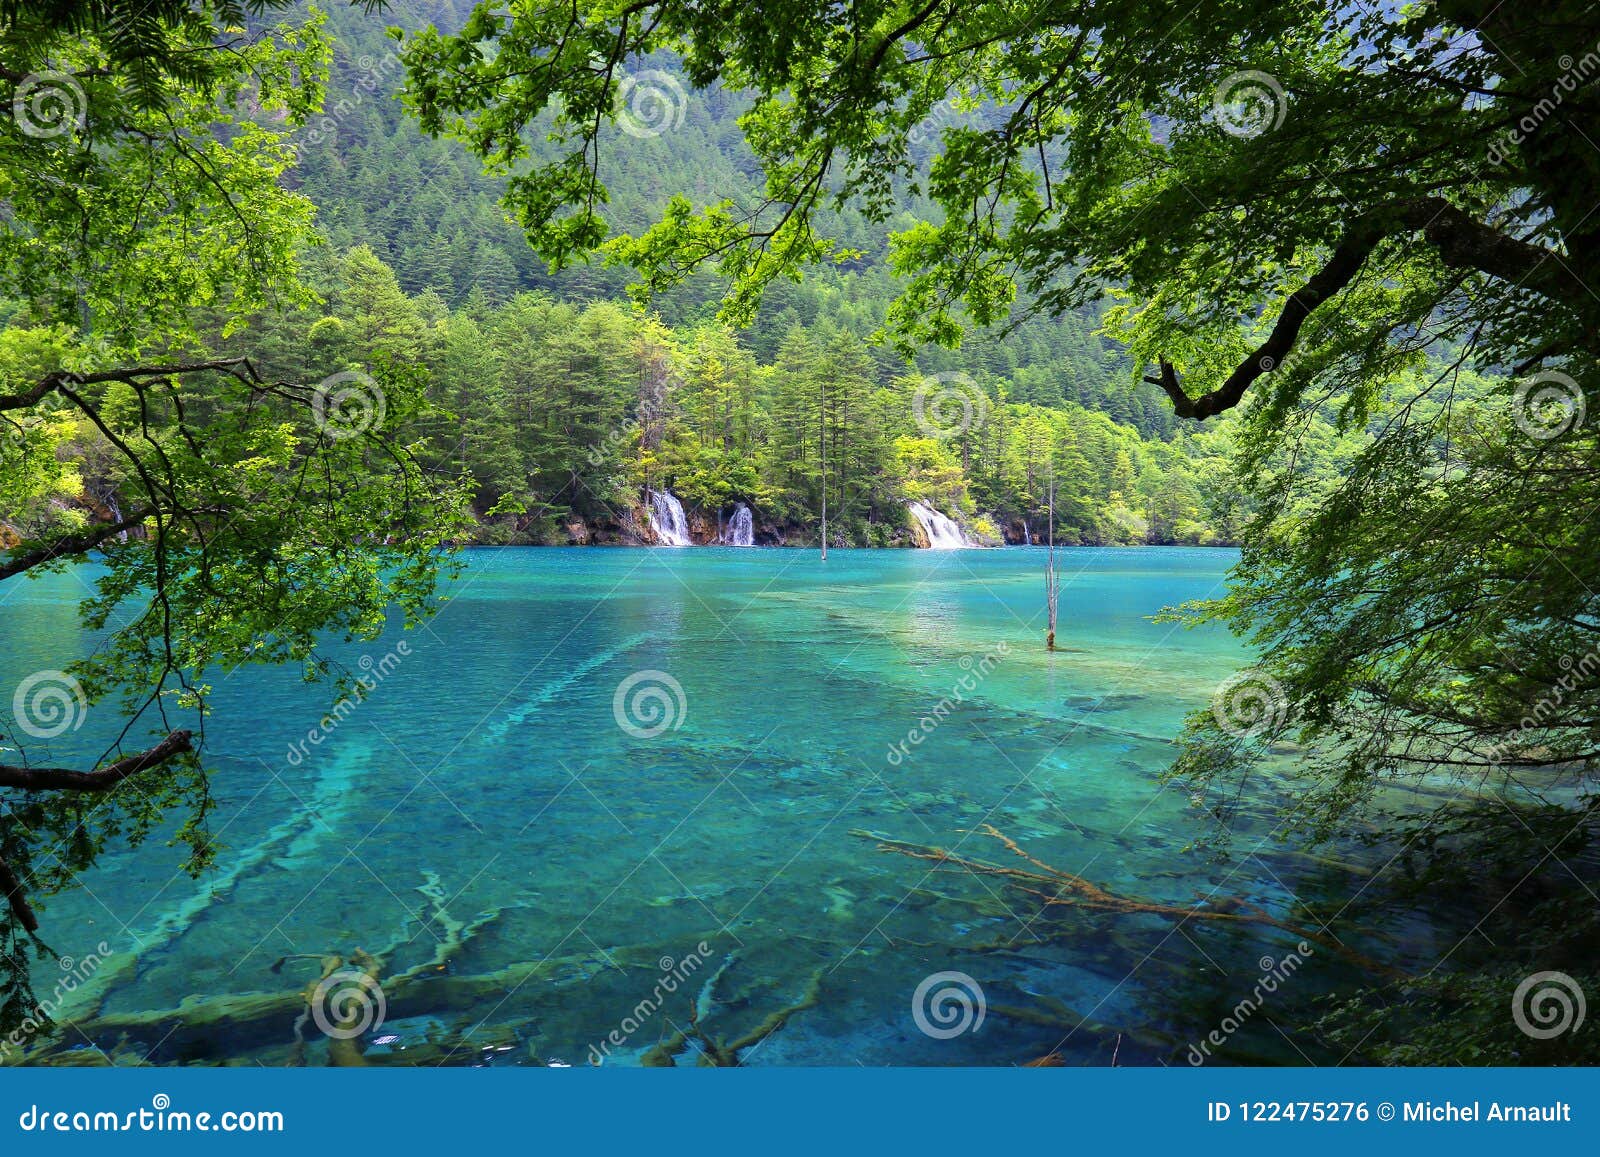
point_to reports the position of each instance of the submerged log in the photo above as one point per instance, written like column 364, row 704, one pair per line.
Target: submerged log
column 716, row 1053
column 1056, row 888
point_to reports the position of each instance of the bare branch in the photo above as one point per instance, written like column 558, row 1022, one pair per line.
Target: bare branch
column 54, row 381
column 1462, row 242
column 104, row 779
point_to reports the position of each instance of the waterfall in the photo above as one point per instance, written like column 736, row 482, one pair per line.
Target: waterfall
column 667, row 520
column 741, row 528
column 943, row 534
column 116, row 516
column 1027, row 535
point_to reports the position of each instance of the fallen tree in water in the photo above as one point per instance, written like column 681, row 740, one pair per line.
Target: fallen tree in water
column 1056, row 888
column 718, row 1053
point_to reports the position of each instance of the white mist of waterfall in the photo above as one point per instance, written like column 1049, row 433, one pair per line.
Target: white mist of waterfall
column 943, row 533
column 741, row 528
column 667, row 520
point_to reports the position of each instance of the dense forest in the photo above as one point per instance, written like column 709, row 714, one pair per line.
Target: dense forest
column 564, row 413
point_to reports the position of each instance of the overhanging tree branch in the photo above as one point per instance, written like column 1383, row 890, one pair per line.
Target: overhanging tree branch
column 72, row 544
column 239, row 367
column 104, row 779
column 1461, row 241
column 63, row 779
column 1348, row 257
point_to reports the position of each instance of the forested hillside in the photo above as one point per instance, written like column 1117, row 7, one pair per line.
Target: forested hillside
column 564, row 400
column 564, row 413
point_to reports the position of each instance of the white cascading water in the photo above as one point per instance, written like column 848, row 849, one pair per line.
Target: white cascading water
column 116, row 516
column 942, row 532
column 667, row 519
column 741, row 528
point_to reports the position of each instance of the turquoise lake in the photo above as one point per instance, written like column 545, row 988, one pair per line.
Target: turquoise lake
column 540, row 853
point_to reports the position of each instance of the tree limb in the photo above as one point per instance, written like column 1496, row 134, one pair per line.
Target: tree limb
column 20, row 907
column 1461, row 241
column 71, row 544
column 104, row 779
column 1348, row 257
column 53, row 381
column 1464, row 242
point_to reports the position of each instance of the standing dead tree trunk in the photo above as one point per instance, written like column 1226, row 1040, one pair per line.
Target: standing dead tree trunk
column 1051, row 579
